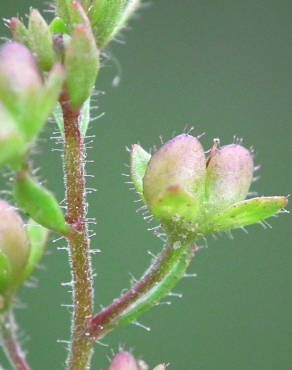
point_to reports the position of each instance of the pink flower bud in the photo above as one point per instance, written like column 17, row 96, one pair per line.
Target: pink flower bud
column 13, row 241
column 229, row 176
column 174, row 180
column 19, row 73
column 124, row 361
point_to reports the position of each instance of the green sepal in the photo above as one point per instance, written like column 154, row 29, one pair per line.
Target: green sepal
column 40, row 204
column 41, row 40
column 58, row 26
column 5, row 273
column 38, row 237
column 63, row 10
column 139, row 162
column 106, row 16
column 12, row 144
column 82, row 64
column 73, row 13
column 19, row 31
column 43, row 105
column 248, row 212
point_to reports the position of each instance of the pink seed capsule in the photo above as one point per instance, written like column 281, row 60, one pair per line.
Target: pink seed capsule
column 229, row 176
column 124, row 361
column 13, row 240
column 14, row 60
column 174, row 179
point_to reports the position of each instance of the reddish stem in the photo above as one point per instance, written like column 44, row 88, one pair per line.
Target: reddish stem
column 79, row 245
column 156, row 284
column 11, row 345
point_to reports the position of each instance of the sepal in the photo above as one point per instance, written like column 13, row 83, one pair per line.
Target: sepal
column 19, row 31
column 139, row 162
column 41, row 40
column 38, row 237
column 248, row 212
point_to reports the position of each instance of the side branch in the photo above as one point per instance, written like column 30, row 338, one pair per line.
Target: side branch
column 79, row 245
column 11, row 345
column 157, row 282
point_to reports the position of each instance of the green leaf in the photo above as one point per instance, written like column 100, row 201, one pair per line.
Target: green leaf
column 41, row 40
column 38, row 236
column 248, row 212
column 139, row 162
column 40, row 204
column 82, row 64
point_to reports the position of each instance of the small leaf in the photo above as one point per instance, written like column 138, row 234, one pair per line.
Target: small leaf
column 41, row 41
column 139, row 162
column 40, row 204
column 82, row 64
column 38, row 236
column 248, row 212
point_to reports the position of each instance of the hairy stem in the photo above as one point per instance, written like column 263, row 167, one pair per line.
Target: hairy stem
column 79, row 246
column 11, row 345
column 157, row 282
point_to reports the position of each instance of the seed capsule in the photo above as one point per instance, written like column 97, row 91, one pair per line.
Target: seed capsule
column 174, row 180
column 229, row 176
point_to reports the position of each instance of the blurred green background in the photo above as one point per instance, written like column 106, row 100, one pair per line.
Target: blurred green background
column 223, row 67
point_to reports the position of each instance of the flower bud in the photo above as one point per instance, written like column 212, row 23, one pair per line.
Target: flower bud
column 160, row 367
column 124, row 361
column 106, row 16
column 41, row 40
column 82, row 64
column 14, row 245
column 19, row 76
column 229, row 176
column 174, row 180
column 19, row 31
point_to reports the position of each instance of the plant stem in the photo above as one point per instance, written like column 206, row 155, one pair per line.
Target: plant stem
column 158, row 281
column 11, row 345
column 79, row 245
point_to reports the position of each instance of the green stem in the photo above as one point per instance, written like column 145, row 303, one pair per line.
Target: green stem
column 79, row 246
column 157, row 282
column 11, row 345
